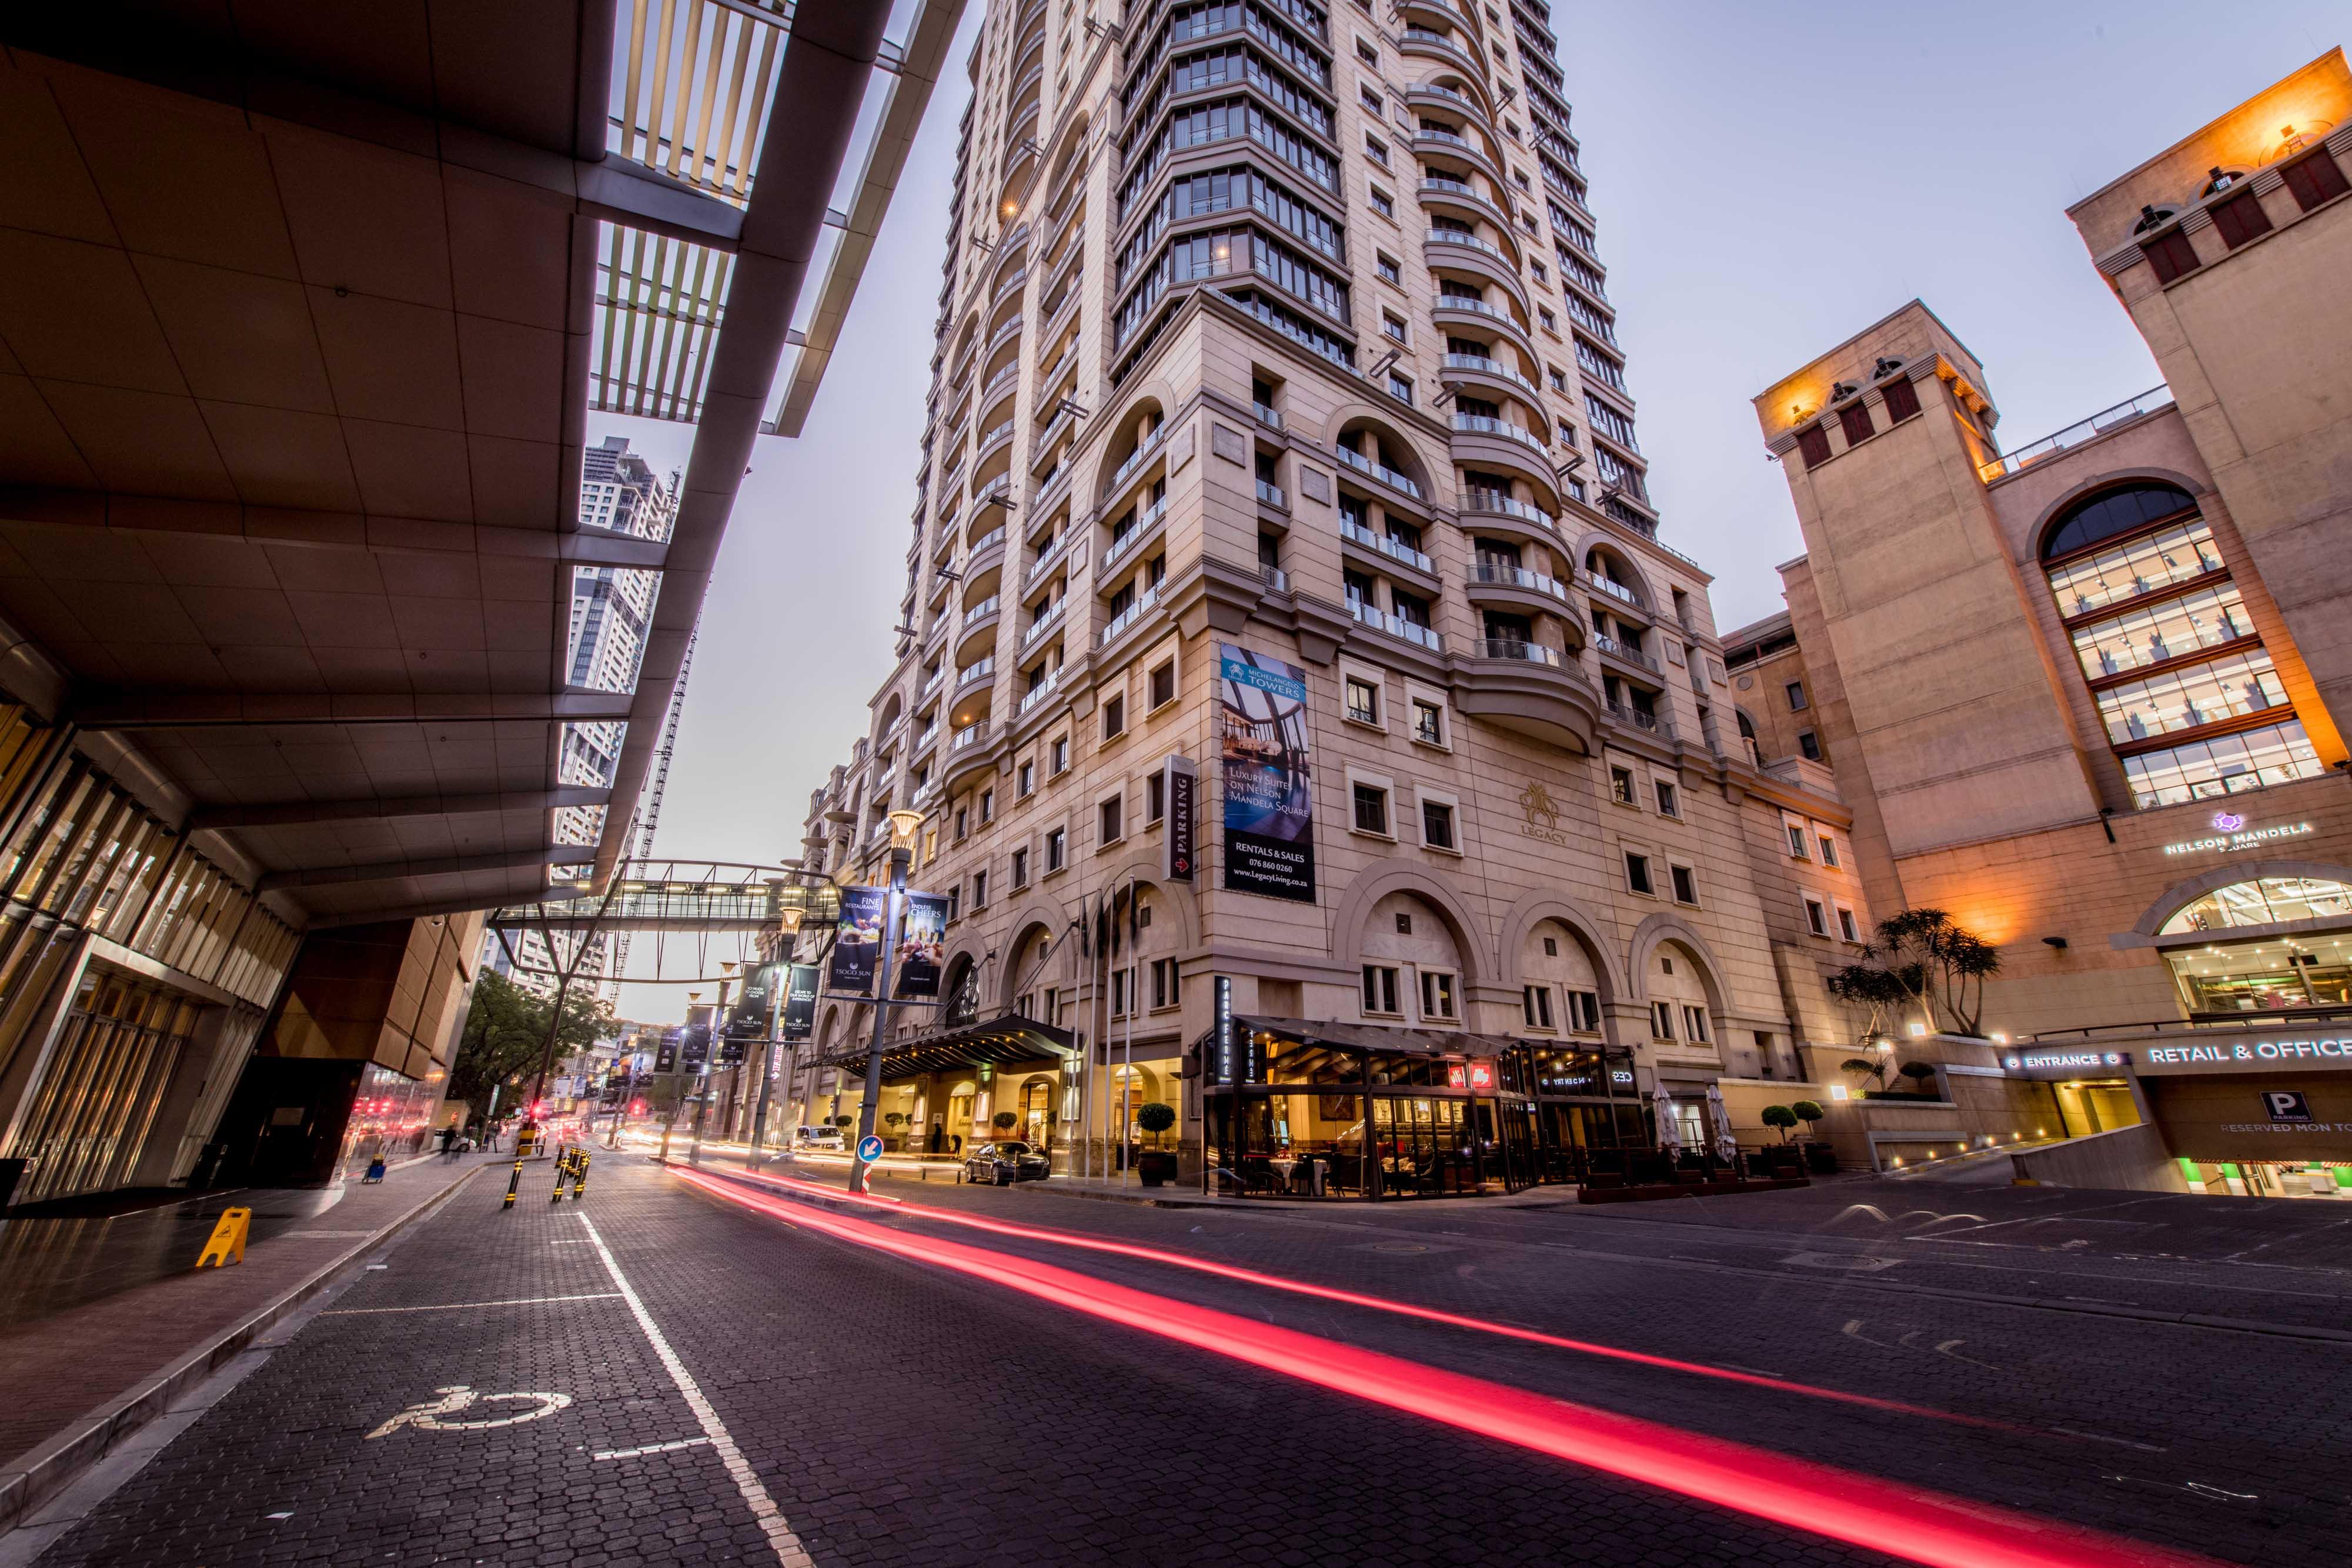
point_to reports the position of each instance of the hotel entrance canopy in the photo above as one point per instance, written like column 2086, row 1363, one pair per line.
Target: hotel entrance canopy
column 1008, row 1038
column 307, row 312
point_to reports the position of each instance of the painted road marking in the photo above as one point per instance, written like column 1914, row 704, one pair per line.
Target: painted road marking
column 456, row 1398
column 781, row 1537
column 464, row 1306
column 320, row 1235
column 650, row 1448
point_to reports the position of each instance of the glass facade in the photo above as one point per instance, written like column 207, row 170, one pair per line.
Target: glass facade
column 2145, row 565
column 2200, row 770
column 2151, row 634
column 390, row 1120
column 2264, row 901
column 2189, row 696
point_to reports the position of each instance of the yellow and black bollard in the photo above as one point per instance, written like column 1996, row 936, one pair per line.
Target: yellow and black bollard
column 579, row 1175
column 513, row 1183
column 563, row 1173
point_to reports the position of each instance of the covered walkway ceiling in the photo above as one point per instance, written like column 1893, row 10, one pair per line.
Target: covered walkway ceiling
column 304, row 309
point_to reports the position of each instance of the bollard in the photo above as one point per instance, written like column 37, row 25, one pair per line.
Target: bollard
column 563, row 1170
column 580, row 1176
column 513, row 1181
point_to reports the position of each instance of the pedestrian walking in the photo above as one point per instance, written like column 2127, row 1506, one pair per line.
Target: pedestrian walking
column 449, row 1142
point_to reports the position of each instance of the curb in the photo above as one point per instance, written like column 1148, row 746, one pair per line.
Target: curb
column 56, row 1464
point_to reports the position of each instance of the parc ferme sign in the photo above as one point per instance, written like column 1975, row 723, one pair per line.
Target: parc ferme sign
column 2231, row 832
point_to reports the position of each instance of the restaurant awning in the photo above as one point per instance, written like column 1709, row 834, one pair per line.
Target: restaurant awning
column 1006, row 1038
column 1378, row 1037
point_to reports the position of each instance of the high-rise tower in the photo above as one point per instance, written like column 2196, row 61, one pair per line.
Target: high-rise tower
column 1280, row 443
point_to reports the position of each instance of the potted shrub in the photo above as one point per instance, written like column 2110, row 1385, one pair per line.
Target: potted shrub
column 1782, row 1117
column 1005, row 1121
column 1922, row 1077
column 1158, row 1165
column 893, row 1119
column 1809, row 1111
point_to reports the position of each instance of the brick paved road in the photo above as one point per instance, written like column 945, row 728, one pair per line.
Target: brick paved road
column 899, row 1414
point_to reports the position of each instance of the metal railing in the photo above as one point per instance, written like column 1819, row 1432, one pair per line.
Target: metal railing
column 1270, row 493
column 1508, row 507
column 1625, row 651
column 979, row 670
column 1477, row 307
column 1455, row 236
column 1613, row 587
column 1394, row 625
column 974, row 613
column 1132, row 614
column 1626, row 713
column 1385, row 475
column 970, row 736
column 1486, row 424
column 1395, row 549
column 1039, row 692
column 1513, row 648
column 1489, row 367
column 1501, row 574
column 2017, row 461
column 987, row 541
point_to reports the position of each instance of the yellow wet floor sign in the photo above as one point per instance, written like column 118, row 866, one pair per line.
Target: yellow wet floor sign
column 228, row 1245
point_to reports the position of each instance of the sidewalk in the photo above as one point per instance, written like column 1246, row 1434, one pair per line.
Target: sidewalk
column 107, row 1319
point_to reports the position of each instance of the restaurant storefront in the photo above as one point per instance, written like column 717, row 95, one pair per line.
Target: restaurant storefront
column 1304, row 1108
column 942, row 1091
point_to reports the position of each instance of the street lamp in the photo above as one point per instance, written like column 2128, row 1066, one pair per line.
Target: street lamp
column 669, row 1123
column 709, row 1049
column 904, row 825
column 788, row 923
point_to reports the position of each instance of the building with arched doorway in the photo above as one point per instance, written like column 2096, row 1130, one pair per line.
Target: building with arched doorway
column 2090, row 694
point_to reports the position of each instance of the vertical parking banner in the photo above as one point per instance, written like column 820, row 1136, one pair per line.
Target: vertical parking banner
column 922, row 945
column 1265, row 775
column 1181, row 788
column 799, row 1003
column 857, row 941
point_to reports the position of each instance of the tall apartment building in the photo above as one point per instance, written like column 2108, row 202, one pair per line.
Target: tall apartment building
column 1279, row 432
column 2091, row 695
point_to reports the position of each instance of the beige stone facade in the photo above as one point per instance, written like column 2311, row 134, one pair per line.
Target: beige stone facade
column 1334, row 385
column 2088, row 696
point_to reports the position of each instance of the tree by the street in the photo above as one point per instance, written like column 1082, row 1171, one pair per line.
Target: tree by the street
column 506, row 1032
column 1920, row 959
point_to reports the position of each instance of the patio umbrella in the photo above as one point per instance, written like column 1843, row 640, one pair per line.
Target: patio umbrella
column 1670, row 1131
column 1718, row 1116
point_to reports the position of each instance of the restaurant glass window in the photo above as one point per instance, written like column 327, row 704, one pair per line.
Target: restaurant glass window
column 2265, row 977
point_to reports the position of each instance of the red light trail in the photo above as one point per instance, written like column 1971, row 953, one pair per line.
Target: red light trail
column 1384, row 1304
column 1864, row 1511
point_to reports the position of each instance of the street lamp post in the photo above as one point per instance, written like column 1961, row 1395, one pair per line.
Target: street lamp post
column 904, row 825
column 710, row 1049
column 788, row 938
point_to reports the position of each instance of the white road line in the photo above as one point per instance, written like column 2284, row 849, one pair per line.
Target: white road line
column 787, row 1546
column 462, row 1306
column 650, row 1448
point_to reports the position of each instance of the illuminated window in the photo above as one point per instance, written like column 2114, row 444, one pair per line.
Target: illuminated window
column 2264, row 901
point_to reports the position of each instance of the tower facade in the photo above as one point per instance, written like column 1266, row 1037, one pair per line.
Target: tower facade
column 1287, row 631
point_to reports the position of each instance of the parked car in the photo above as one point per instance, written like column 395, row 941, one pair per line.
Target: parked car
column 1004, row 1164
column 824, row 1138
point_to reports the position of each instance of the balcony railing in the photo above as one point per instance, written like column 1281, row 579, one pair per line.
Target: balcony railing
column 1040, row 692
column 1490, row 367
column 988, row 540
column 1512, row 648
column 1455, row 236
column 969, row 737
column 1625, row 651
column 1136, row 459
column 939, row 678
column 1144, row 522
column 979, row 670
column 1043, row 623
column 1486, row 424
column 1385, row 475
column 1395, row 625
column 1131, row 615
column 1270, row 493
column 1625, row 713
column 1501, row 574
column 1509, row 507
column 1046, row 561
column 2148, row 402
column 1269, row 417
column 1276, row 578
column 1477, row 306
column 1395, row 549
column 1613, row 587
column 930, row 732
column 985, row 608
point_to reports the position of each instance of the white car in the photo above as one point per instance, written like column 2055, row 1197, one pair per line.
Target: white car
column 806, row 1137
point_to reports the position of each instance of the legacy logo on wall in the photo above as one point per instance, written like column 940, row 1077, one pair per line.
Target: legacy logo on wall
column 1543, row 817
column 857, row 940
column 922, row 946
column 1268, row 787
column 799, row 1002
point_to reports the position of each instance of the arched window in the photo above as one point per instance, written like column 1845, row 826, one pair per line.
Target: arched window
column 2264, row 901
column 2111, row 512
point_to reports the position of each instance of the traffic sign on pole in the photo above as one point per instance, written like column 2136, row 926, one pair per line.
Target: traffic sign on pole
column 870, row 1148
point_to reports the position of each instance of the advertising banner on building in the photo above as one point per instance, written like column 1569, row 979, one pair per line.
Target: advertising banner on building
column 749, row 1017
column 666, row 1053
column 1181, row 788
column 694, row 1045
column 922, row 946
column 799, row 1002
column 1269, row 792
column 857, row 940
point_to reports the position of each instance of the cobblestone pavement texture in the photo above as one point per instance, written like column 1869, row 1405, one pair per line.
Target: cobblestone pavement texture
column 901, row 1414
column 101, row 1307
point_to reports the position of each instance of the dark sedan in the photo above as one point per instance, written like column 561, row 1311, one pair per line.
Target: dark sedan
column 1004, row 1164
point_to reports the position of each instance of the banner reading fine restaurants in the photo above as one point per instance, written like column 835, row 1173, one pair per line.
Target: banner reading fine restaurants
column 857, row 942
column 1269, row 795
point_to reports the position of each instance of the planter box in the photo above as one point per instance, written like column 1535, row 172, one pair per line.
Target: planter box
column 1156, row 1167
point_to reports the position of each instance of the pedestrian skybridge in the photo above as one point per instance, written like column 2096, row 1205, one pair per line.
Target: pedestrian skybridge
column 699, row 897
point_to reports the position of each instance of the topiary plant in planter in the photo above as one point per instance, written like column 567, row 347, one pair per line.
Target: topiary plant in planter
column 1809, row 1111
column 1156, row 1166
column 1005, row 1121
column 1781, row 1116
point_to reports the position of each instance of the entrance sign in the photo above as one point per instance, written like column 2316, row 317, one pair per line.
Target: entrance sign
column 870, row 1148
column 1265, row 774
column 1182, row 782
column 922, row 945
column 2231, row 832
column 799, row 1002
column 857, row 940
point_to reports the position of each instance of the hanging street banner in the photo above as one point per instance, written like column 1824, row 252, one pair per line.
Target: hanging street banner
column 749, row 1018
column 922, row 946
column 1182, row 786
column 666, row 1053
column 1268, row 790
column 799, row 1002
column 694, row 1046
column 857, row 940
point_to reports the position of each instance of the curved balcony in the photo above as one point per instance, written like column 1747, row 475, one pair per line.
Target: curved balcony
column 1007, row 331
column 1490, row 375
column 978, row 631
column 990, row 444
column 1432, row 47
column 1492, row 512
column 987, row 554
column 1459, row 196
column 969, row 756
column 1480, row 442
column 1008, row 286
column 1430, row 93
column 1479, row 259
column 1516, row 588
column 1429, row 143
column 1527, row 688
column 968, row 703
column 1447, row 308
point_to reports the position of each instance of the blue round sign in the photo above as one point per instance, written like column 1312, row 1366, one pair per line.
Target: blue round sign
column 870, row 1148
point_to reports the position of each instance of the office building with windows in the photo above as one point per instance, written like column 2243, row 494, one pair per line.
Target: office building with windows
column 2090, row 694
column 1287, row 626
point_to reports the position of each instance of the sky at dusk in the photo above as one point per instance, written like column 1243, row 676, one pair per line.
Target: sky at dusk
column 1768, row 181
